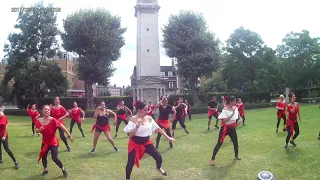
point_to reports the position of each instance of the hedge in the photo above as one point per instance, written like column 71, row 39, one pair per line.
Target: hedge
column 194, row 110
column 255, row 97
column 309, row 100
column 67, row 102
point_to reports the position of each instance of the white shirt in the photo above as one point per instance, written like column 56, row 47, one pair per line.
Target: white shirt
column 143, row 131
column 227, row 113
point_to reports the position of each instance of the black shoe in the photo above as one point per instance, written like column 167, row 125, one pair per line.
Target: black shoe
column 293, row 143
column 277, row 131
column 186, row 131
column 1, row 161
column 286, row 147
column 164, row 172
column 237, row 158
column 208, row 129
column 16, row 165
column 68, row 149
column 284, row 130
column 93, row 151
column 44, row 173
column 115, row 136
column 83, row 136
column 65, row 173
column 171, row 145
column 244, row 124
column 319, row 137
column 115, row 148
column 216, row 126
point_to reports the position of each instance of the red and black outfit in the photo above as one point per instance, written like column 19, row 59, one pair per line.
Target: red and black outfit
column 164, row 123
column 121, row 116
column 102, row 124
column 49, row 142
column 180, row 117
column 292, row 123
column 58, row 113
column 240, row 107
column 150, row 110
column 33, row 114
column 4, row 132
column 214, row 113
column 281, row 113
column 76, row 118
column 188, row 111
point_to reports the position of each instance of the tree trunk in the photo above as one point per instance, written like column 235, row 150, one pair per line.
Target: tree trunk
column 89, row 94
column 193, row 91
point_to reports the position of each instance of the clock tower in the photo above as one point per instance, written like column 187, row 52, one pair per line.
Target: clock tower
column 145, row 81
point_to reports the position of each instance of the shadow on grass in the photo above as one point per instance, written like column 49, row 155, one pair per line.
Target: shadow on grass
column 95, row 155
column 34, row 177
column 220, row 172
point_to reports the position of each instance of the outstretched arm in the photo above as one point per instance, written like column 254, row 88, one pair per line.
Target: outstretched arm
column 66, row 131
column 159, row 130
column 113, row 114
column 129, row 110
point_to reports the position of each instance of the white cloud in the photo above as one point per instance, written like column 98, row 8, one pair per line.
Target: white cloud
column 272, row 19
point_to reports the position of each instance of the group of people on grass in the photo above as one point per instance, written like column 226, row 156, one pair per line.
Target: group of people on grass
column 141, row 126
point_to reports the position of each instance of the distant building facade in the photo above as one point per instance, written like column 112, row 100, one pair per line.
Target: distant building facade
column 100, row 91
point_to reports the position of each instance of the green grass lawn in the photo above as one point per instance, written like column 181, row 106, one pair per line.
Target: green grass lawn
column 260, row 149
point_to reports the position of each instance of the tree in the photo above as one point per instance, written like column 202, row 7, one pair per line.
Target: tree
column 36, row 41
column 196, row 50
column 97, row 37
column 300, row 55
column 127, row 91
column 215, row 83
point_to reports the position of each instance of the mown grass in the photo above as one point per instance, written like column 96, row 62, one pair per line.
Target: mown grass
column 260, row 149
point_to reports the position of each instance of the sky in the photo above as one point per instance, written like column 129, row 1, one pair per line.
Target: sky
column 271, row 19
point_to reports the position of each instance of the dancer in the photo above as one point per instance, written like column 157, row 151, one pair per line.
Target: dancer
column 163, row 121
column 102, row 125
column 4, row 138
column 59, row 112
column 181, row 109
column 240, row 106
column 121, row 109
column 150, row 110
column 34, row 114
column 188, row 109
column 228, row 116
column 76, row 118
column 140, row 128
column 213, row 111
column 223, row 101
column 281, row 112
column 48, row 126
column 292, row 121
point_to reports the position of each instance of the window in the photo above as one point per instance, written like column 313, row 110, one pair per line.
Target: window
column 148, row 50
column 170, row 74
column 147, row 29
column 162, row 74
column 170, row 85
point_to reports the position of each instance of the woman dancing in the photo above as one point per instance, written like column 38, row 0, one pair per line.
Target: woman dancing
column 121, row 111
column 102, row 125
column 48, row 126
column 4, row 138
column 228, row 116
column 281, row 112
column 292, row 121
column 59, row 112
column 213, row 111
column 76, row 118
column 34, row 114
column 140, row 128
column 163, row 120
column 150, row 110
column 240, row 106
column 181, row 109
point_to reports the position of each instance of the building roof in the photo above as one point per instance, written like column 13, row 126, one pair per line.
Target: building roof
column 166, row 68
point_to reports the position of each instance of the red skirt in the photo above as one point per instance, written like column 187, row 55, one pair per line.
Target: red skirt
column 212, row 112
column 280, row 115
column 290, row 123
column 225, row 128
column 139, row 150
column 164, row 123
column 241, row 112
column 104, row 128
column 122, row 117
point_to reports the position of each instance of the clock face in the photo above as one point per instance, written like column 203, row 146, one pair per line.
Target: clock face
column 147, row 1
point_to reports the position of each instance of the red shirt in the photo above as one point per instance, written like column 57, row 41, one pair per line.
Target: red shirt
column 151, row 108
column 58, row 113
column 240, row 106
column 3, row 125
column 75, row 114
column 281, row 105
column 293, row 115
column 49, row 132
column 33, row 115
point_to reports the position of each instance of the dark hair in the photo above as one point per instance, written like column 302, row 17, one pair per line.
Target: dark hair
column 290, row 95
column 230, row 99
column 139, row 105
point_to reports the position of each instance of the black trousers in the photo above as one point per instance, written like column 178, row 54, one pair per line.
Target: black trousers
column 232, row 133
column 7, row 149
column 63, row 137
column 32, row 127
column 119, row 122
column 54, row 156
column 296, row 131
column 159, row 135
column 150, row 149
column 283, row 116
column 79, row 126
column 181, row 122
